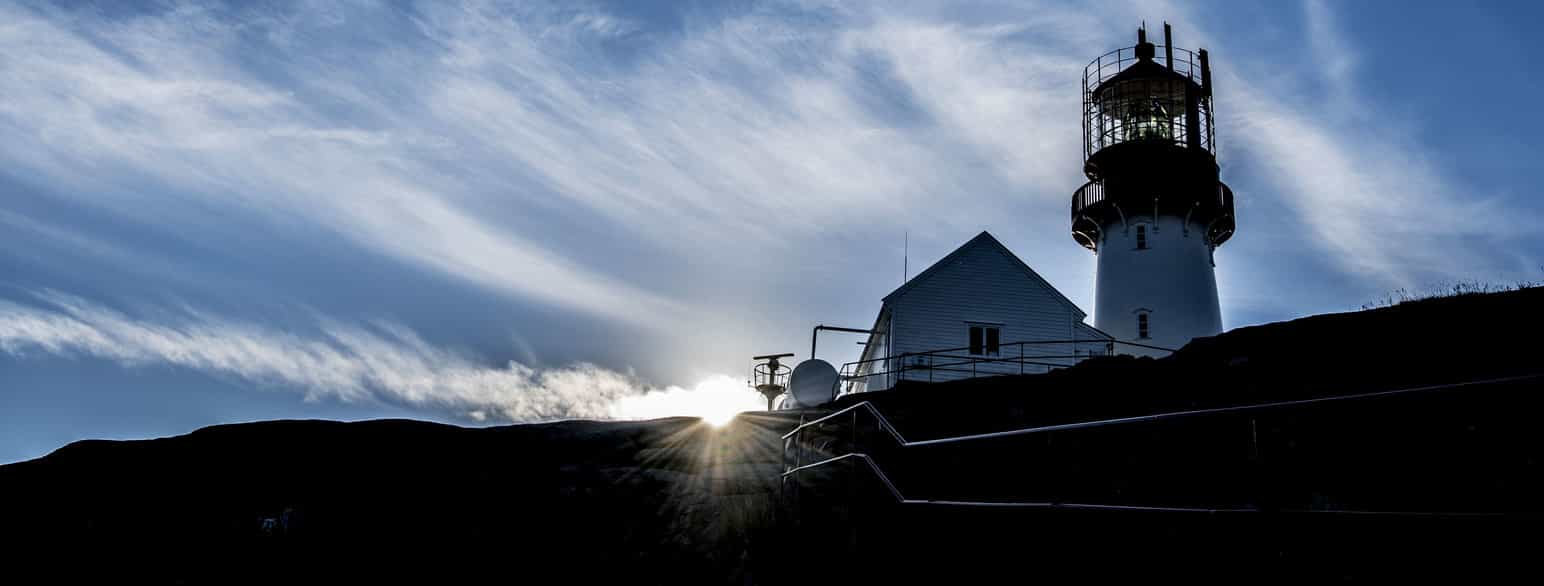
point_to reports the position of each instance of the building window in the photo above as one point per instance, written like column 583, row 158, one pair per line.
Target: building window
column 985, row 340
column 1141, row 237
column 1142, row 326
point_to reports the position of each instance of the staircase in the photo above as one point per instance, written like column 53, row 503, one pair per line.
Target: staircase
column 1357, row 485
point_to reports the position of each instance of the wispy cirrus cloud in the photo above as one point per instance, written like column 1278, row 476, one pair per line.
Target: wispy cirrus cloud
column 1376, row 202
column 504, row 147
column 720, row 182
column 167, row 123
column 479, row 113
column 379, row 362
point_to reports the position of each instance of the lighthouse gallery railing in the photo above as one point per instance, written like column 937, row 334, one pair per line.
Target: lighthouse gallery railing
column 1092, row 194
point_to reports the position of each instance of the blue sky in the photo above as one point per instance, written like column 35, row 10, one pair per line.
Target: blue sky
column 482, row 213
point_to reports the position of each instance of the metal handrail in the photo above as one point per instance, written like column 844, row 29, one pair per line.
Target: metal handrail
column 944, row 351
column 852, row 372
column 885, row 423
column 1092, row 193
column 902, row 442
column 1108, row 65
column 764, row 374
column 1089, row 194
column 900, row 498
column 879, row 418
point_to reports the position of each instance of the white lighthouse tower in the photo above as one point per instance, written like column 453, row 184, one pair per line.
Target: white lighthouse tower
column 1154, row 209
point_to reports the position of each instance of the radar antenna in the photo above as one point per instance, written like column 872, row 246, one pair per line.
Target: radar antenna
column 770, row 378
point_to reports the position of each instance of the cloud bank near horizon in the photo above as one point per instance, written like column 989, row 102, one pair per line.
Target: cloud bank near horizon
column 381, row 362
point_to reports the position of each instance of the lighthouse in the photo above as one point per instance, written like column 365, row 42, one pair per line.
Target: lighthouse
column 1154, row 209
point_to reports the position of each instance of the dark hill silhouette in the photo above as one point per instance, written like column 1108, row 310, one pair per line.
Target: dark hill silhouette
column 607, row 499
column 674, row 500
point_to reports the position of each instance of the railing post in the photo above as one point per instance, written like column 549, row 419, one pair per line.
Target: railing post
column 798, row 444
column 1021, row 358
column 852, row 485
column 1259, row 484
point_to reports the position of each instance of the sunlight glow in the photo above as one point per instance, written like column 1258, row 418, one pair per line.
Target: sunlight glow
column 716, row 400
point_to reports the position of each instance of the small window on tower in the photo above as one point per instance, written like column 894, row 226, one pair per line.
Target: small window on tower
column 1141, row 237
column 1142, row 326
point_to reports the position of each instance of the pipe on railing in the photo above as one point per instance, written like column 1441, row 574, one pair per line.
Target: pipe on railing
column 815, row 335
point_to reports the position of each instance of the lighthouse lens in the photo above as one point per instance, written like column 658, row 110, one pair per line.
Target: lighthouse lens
column 1142, row 110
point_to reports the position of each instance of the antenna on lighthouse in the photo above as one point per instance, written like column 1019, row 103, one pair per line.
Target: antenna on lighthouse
column 1168, row 46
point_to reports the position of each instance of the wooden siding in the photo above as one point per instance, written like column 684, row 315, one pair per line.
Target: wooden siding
column 984, row 285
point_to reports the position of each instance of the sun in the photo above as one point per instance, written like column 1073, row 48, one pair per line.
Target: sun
column 716, row 400
column 720, row 417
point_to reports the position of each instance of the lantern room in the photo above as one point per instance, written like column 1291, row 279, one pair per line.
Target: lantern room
column 1149, row 144
column 1131, row 96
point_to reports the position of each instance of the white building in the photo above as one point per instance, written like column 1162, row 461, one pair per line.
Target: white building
column 978, row 311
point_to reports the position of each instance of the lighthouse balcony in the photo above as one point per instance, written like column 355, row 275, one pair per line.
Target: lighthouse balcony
column 1093, row 206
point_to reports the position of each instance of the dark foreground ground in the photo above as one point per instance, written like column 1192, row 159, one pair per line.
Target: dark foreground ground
column 386, row 499
column 677, row 501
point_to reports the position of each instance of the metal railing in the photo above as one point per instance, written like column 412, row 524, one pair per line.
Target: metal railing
column 950, row 364
column 766, row 375
column 1108, row 65
column 796, row 449
column 1222, row 229
column 1090, row 194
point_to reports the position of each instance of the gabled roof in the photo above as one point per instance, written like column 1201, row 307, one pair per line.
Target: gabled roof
column 984, row 239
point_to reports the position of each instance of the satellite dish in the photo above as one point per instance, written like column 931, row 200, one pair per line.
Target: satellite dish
column 813, row 382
